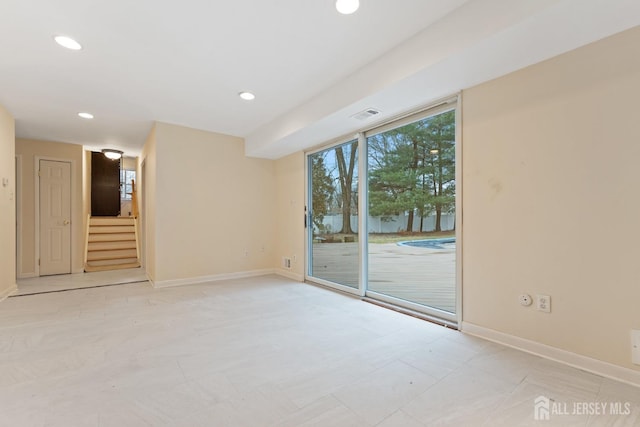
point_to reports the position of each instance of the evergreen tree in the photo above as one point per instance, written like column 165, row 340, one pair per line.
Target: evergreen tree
column 412, row 169
column 323, row 190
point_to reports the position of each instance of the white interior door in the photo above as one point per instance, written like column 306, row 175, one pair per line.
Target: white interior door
column 55, row 217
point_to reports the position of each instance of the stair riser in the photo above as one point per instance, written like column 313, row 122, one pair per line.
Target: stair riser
column 90, row 268
column 112, row 237
column 111, row 221
column 111, row 229
column 104, row 255
column 108, row 262
column 111, row 246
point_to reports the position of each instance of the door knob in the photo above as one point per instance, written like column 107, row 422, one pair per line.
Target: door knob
column 66, row 222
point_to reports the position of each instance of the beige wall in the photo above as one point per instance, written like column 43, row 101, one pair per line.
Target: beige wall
column 290, row 234
column 129, row 163
column 147, row 220
column 214, row 207
column 552, row 202
column 7, row 204
column 28, row 150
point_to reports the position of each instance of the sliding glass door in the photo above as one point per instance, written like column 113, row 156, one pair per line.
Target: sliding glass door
column 332, row 220
column 412, row 198
column 405, row 194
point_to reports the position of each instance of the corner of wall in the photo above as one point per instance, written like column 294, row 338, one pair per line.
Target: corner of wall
column 540, row 213
column 290, row 199
column 147, row 183
column 7, row 204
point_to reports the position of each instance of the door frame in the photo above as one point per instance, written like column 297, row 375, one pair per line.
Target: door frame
column 308, row 251
column 439, row 107
column 141, row 186
column 36, row 169
column 18, row 202
column 361, row 135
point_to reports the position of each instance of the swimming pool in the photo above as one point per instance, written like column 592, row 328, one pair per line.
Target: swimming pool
column 446, row 243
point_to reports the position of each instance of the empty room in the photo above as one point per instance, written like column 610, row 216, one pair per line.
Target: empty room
column 320, row 213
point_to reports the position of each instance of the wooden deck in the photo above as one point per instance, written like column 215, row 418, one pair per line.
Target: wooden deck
column 421, row 275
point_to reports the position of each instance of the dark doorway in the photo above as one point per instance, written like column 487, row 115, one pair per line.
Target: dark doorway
column 105, row 186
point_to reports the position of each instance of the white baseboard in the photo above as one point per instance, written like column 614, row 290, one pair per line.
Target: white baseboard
column 27, row 275
column 289, row 274
column 213, row 278
column 7, row 292
column 595, row 366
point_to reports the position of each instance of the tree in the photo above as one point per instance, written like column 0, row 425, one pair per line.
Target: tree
column 391, row 177
column 395, row 159
column 322, row 189
column 441, row 165
column 412, row 168
column 345, row 178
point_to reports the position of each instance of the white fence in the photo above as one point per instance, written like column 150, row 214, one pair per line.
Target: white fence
column 393, row 224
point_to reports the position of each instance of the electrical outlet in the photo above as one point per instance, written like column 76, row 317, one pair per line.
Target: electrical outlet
column 543, row 303
column 635, row 347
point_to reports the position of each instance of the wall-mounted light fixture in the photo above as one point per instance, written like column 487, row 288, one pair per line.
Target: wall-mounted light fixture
column 112, row 154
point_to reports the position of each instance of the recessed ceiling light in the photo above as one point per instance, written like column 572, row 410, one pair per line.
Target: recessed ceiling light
column 67, row 42
column 247, row 96
column 86, row 115
column 347, row 7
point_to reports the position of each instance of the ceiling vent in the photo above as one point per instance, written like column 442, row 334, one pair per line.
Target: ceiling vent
column 363, row 115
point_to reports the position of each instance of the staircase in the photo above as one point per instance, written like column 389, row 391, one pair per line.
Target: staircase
column 112, row 244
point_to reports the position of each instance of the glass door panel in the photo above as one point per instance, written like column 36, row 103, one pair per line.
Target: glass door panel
column 333, row 215
column 411, row 224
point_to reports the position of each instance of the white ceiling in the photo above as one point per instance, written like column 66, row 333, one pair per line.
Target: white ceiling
column 310, row 67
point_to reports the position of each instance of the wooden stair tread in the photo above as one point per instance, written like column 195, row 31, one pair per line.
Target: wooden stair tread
column 111, row 245
column 92, row 268
column 104, row 238
column 114, row 254
column 108, row 258
column 111, row 221
column 101, row 229
column 107, row 262
column 107, row 236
